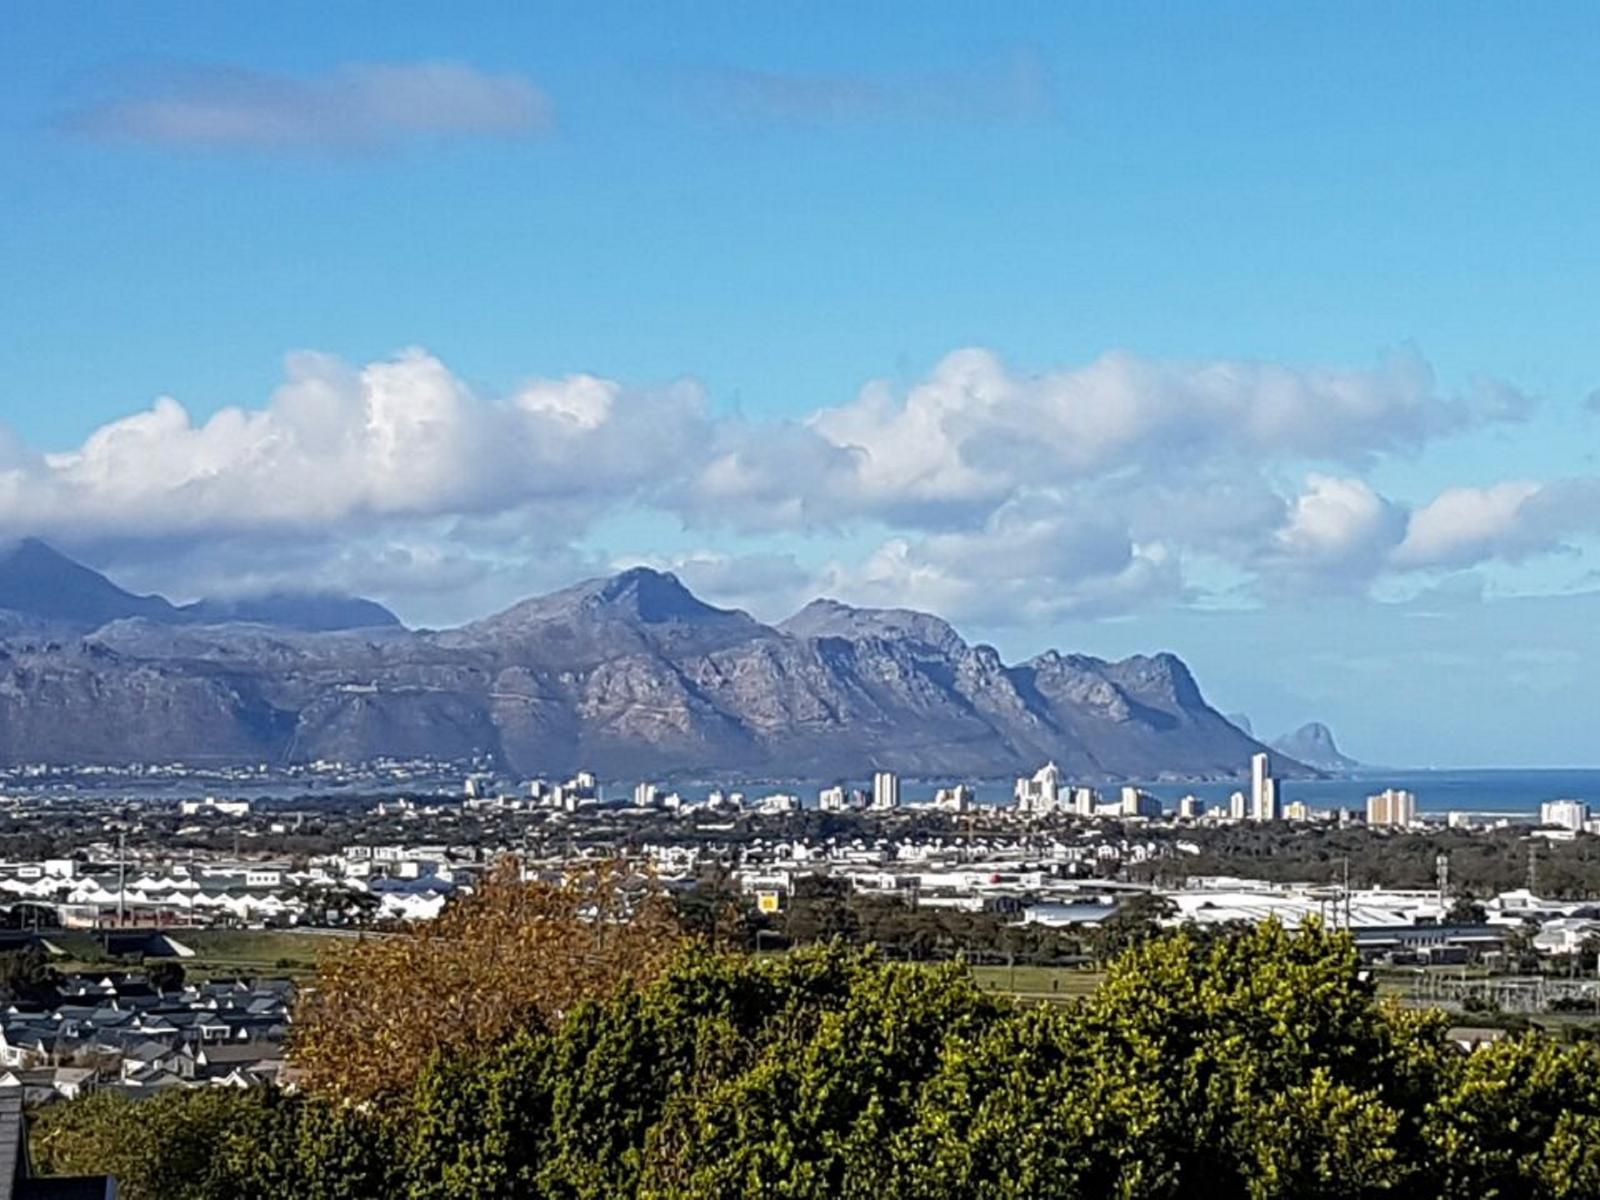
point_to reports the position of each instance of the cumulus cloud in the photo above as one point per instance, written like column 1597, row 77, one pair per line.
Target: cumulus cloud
column 992, row 495
column 1338, row 530
column 1512, row 520
column 1039, row 558
column 966, row 438
column 361, row 107
column 402, row 438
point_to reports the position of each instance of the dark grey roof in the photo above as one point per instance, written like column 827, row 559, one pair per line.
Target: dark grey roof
column 13, row 1148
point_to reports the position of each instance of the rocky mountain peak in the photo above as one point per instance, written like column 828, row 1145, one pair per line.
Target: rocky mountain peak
column 650, row 596
column 831, row 618
column 1314, row 745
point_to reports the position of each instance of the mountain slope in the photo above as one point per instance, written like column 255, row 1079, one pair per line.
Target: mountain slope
column 40, row 583
column 628, row 675
column 309, row 612
column 40, row 586
column 1313, row 745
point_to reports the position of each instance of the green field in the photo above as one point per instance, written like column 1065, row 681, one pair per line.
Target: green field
column 219, row 953
column 1038, row 983
column 273, row 952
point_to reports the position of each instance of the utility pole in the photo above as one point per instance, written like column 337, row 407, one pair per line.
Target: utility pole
column 1346, row 862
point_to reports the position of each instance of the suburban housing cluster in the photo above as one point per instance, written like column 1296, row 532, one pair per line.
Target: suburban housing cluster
column 125, row 1032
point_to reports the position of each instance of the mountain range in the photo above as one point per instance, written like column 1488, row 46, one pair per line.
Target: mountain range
column 630, row 675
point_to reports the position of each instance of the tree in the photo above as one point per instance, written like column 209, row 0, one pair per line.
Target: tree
column 167, row 1147
column 514, row 954
column 1464, row 910
column 165, row 974
column 1137, row 920
column 26, row 976
column 1256, row 1063
column 1510, row 1121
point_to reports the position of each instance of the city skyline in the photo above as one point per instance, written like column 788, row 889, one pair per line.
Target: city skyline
column 1076, row 329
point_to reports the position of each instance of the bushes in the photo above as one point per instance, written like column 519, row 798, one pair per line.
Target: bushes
column 1256, row 1065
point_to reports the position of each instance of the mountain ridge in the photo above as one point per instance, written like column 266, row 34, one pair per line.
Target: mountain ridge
column 39, row 583
column 626, row 674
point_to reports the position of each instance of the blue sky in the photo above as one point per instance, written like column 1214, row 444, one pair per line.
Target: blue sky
column 1212, row 328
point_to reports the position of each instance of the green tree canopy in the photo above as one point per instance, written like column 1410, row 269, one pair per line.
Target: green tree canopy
column 1258, row 1064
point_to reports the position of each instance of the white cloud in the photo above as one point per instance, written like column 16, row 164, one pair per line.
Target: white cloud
column 1511, row 521
column 986, row 494
column 1338, row 530
column 355, row 107
column 1038, row 559
column 963, row 441
column 402, row 438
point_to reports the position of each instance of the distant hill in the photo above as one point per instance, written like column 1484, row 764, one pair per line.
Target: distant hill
column 630, row 675
column 39, row 585
column 311, row 612
column 1313, row 745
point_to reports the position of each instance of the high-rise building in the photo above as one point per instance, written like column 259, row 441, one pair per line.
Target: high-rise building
column 1041, row 793
column 644, row 796
column 1139, row 803
column 1084, row 801
column 959, row 798
column 1392, row 808
column 832, row 799
column 1564, row 814
column 1191, row 807
column 1263, row 790
column 1238, row 806
column 885, row 790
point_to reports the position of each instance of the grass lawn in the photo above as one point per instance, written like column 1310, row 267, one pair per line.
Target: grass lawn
column 1038, row 983
column 219, row 953
column 252, row 951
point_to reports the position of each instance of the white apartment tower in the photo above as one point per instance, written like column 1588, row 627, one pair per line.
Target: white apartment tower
column 1263, row 790
column 1042, row 792
column 885, row 790
column 1564, row 814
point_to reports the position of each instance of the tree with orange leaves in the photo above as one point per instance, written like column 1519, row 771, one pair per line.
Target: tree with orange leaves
column 514, row 954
